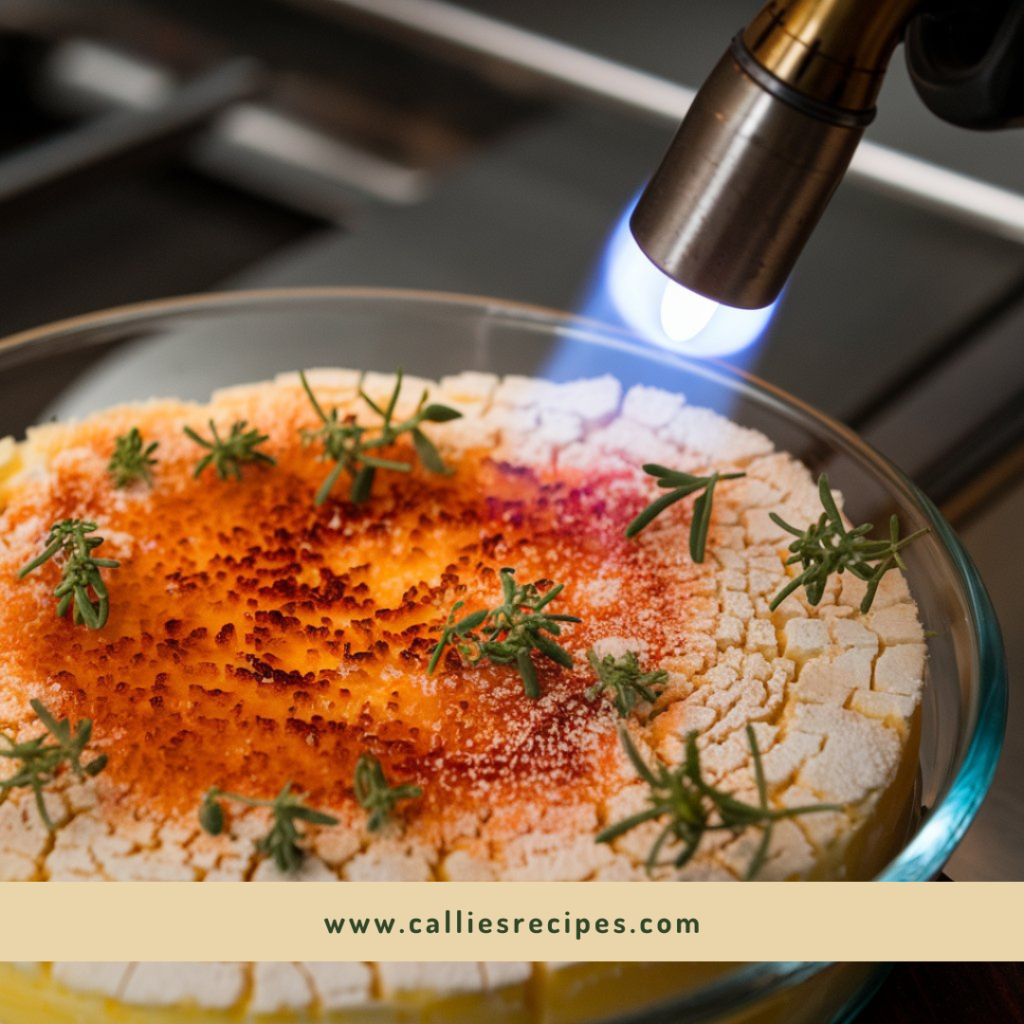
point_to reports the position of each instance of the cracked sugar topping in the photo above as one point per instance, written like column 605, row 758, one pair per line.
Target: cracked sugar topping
column 254, row 638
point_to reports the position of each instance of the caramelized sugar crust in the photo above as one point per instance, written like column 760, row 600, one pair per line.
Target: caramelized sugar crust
column 255, row 639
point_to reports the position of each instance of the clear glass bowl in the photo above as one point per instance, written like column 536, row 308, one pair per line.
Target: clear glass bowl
column 187, row 347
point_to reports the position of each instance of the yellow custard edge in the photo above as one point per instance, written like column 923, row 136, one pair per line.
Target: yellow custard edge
column 567, row 994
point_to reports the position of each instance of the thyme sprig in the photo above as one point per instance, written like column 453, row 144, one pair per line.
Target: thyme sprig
column 46, row 756
column 508, row 633
column 679, row 485
column 623, row 678
column 132, row 459
column 826, row 547
column 227, row 454
column 81, row 582
column 691, row 806
column 353, row 447
column 376, row 794
column 283, row 843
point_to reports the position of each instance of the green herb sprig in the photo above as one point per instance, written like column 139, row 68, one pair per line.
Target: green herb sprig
column 283, row 843
column 227, row 454
column 508, row 633
column 680, row 485
column 132, row 459
column 826, row 547
column 690, row 806
column 623, row 678
column 44, row 757
column 80, row 571
column 375, row 793
column 353, row 450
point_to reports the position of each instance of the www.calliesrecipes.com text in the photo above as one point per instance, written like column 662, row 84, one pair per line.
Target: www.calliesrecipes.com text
column 465, row 923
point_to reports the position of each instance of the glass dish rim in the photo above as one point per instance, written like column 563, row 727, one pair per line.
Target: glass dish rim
column 924, row 856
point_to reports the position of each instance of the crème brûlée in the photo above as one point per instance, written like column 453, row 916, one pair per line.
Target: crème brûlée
column 256, row 638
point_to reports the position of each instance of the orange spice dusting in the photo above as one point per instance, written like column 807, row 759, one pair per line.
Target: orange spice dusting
column 255, row 639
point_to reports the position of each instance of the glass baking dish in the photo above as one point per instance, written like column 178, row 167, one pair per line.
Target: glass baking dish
column 188, row 347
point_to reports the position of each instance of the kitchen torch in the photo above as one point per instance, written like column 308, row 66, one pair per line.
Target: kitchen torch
column 772, row 130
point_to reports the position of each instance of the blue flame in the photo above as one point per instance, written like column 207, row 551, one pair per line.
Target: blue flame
column 631, row 291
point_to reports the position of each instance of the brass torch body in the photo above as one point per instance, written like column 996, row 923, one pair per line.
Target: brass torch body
column 765, row 144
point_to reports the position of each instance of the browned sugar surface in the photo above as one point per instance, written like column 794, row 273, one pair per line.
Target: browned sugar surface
column 255, row 639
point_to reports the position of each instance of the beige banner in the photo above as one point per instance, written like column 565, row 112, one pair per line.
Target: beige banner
column 512, row 921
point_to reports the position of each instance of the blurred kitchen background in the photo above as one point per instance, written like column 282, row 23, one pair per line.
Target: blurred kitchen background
column 494, row 147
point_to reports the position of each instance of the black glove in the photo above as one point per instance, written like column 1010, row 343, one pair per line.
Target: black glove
column 966, row 59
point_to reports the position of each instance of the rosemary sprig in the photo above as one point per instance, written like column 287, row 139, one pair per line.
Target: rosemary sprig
column 375, row 793
column 132, row 460
column 283, row 843
column 679, row 485
column 42, row 761
column 691, row 806
column 80, row 571
column 827, row 547
column 226, row 455
column 623, row 678
column 349, row 445
column 509, row 632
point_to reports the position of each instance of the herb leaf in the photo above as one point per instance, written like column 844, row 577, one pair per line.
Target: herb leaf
column 42, row 761
column 351, row 447
column 691, row 806
column 506, row 635
column 375, row 793
column 81, row 571
column 226, row 455
column 132, row 459
column 283, row 843
column 623, row 678
column 826, row 547
column 679, row 486
column 427, row 453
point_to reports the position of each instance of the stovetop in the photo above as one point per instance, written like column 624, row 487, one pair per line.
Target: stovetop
column 411, row 143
